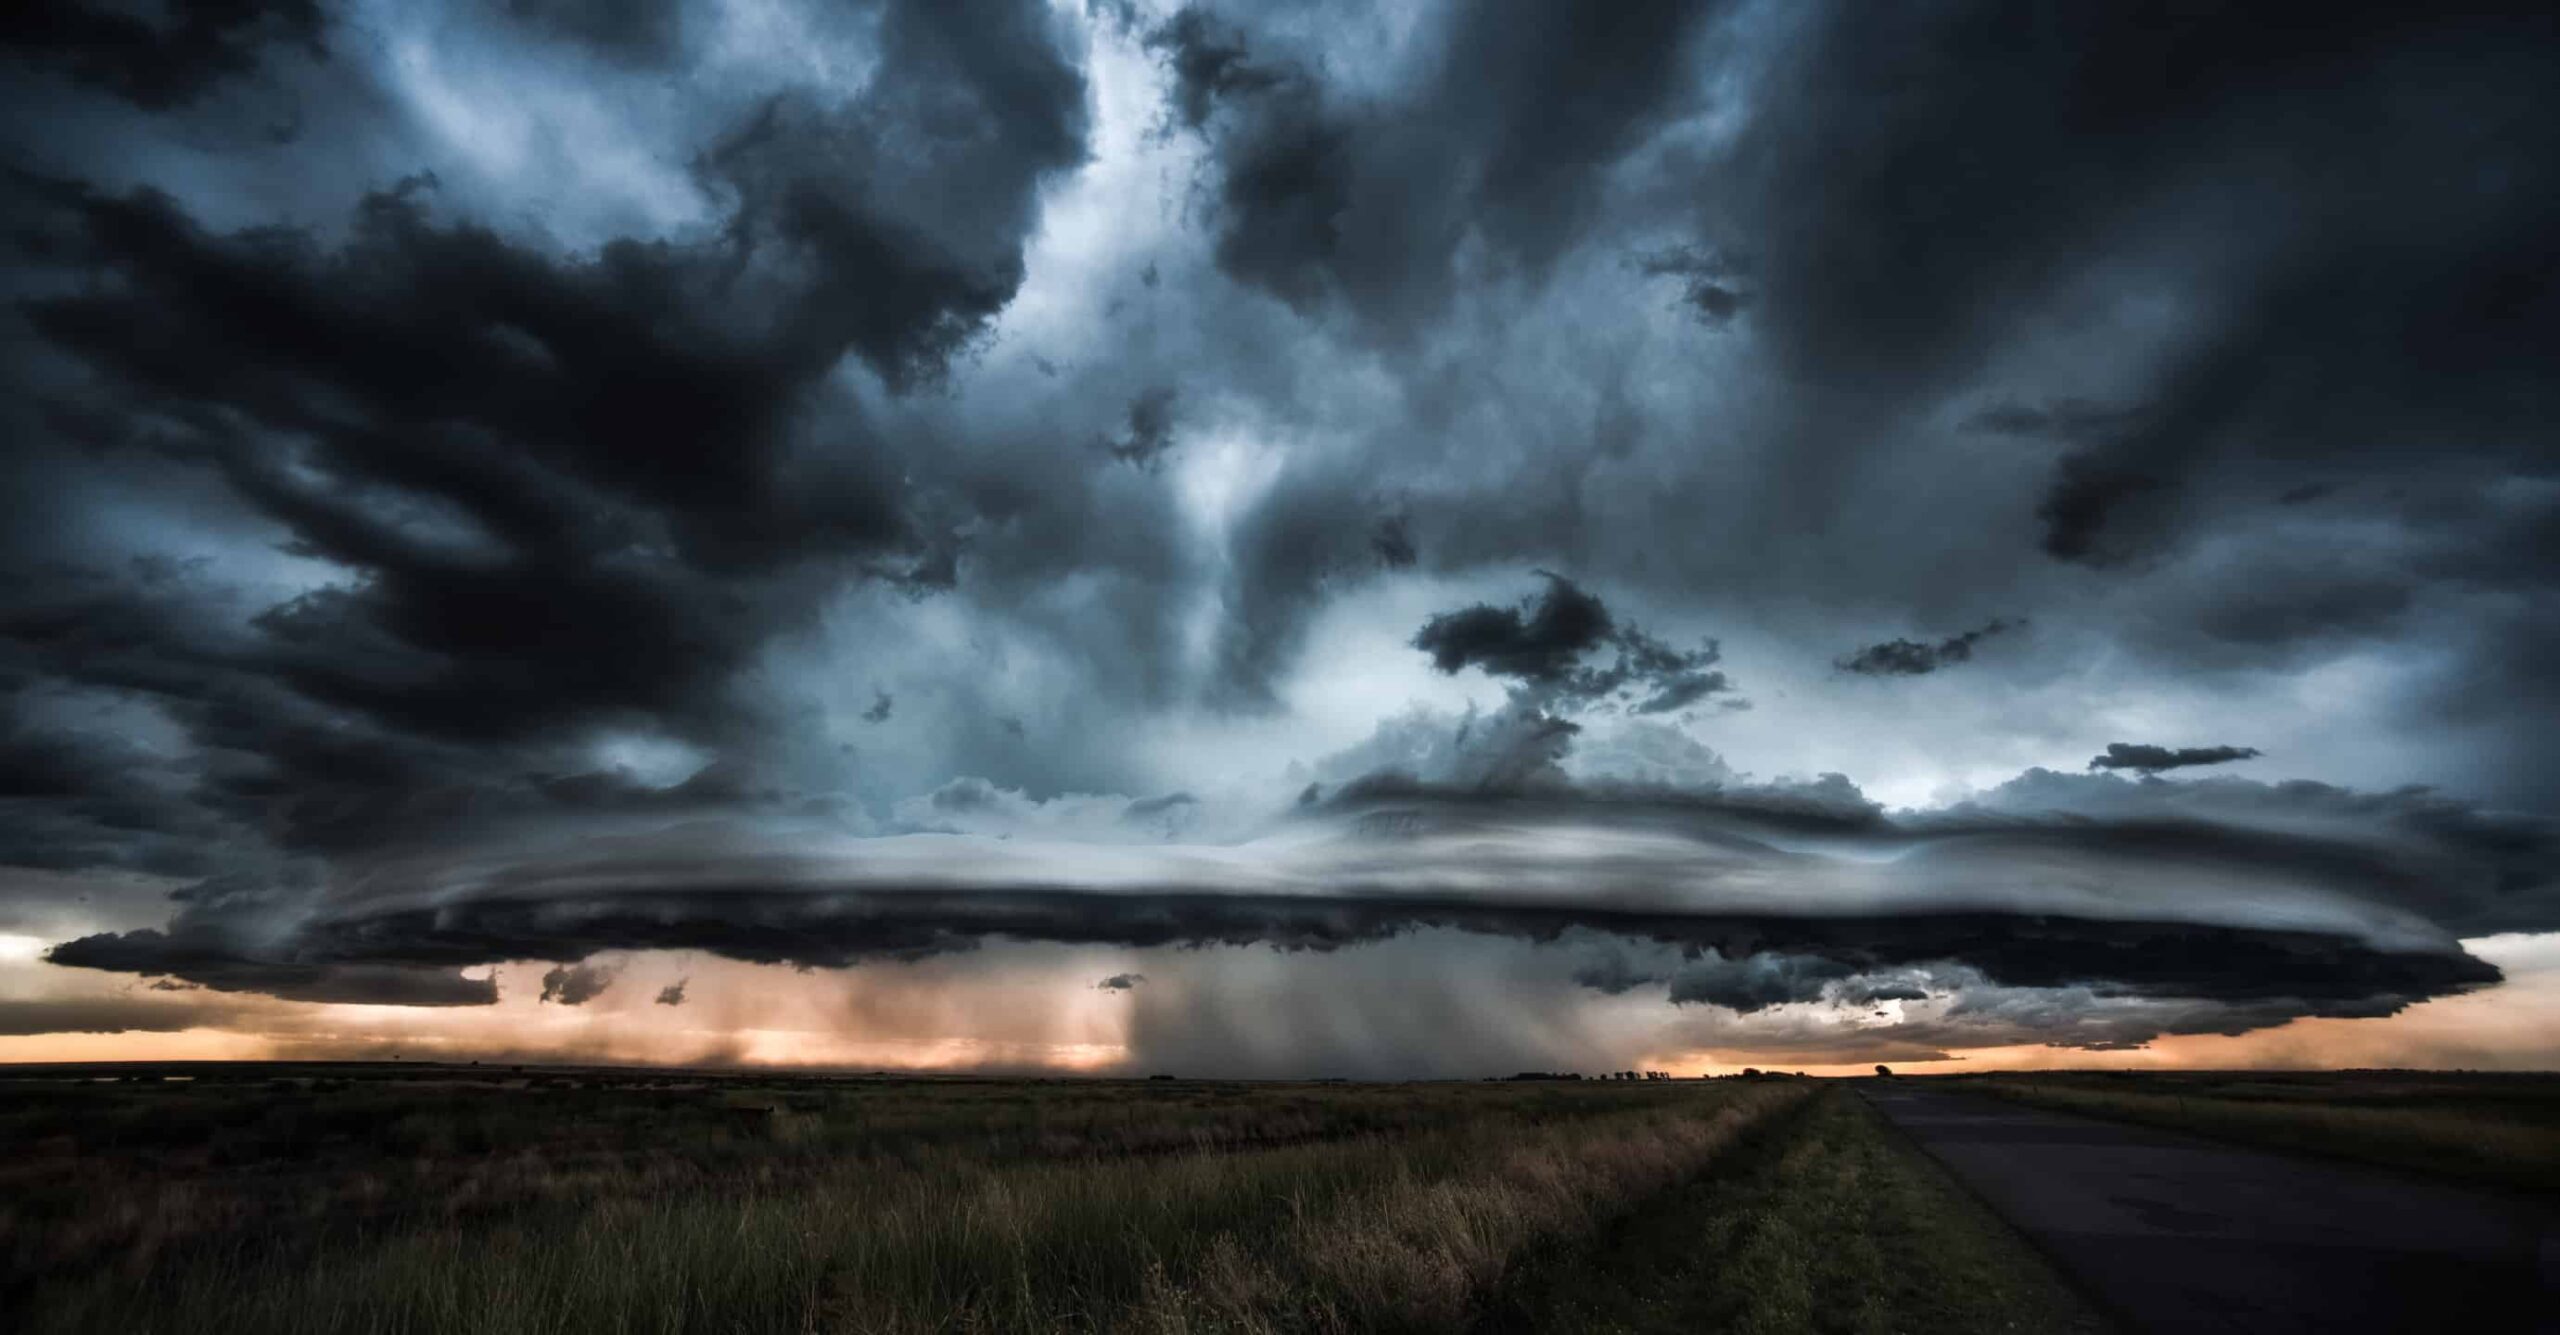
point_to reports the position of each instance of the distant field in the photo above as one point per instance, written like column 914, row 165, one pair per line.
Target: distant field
column 389, row 1199
column 2493, row 1128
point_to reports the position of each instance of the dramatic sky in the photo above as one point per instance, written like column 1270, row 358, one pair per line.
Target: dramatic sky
column 1402, row 538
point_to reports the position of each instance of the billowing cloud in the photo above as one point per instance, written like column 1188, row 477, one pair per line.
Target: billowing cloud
column 1324, row 196
column 899, row 486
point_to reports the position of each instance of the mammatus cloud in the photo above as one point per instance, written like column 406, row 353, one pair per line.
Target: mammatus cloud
column 1912, row 658
column 2153, row 759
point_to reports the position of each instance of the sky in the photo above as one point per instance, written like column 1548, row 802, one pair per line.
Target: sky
column 1281, row 539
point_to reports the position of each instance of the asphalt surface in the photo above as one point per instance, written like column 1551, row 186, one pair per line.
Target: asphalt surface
column 2174, row 1234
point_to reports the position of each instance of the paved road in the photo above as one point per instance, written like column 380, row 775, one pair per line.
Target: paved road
column 2180, row 1234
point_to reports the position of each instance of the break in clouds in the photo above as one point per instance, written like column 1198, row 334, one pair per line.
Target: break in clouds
column 1483, row 511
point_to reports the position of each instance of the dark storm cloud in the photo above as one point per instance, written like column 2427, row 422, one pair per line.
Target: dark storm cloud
column 1150, row 431
column 559, row 492
column 1912, row 658
column 2089, row 490
column 577, row 984
column 1542, row 643
column 209, row 956
column 1392, row 540
column 1500, row 135
column 2295, row 901
column 1209, row 62
column 2471, row 868
column 673, row 993
column 642, row 31
column 2065, row 420
column 1121, row 982
column 660, row 446
column 108, row 1015
column 2266, row 160
column 74, row 796
column 1712, row 283
column 1743, row 985
column 2153, row 759
column 163, row 60
column 1755, row 982
column 841, row 929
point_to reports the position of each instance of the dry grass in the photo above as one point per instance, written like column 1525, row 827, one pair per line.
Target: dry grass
column 859, row 1206
column 2496, row 1129
column 1828, row 1221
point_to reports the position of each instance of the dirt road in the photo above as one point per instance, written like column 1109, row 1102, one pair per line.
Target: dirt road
column 2178, row 1234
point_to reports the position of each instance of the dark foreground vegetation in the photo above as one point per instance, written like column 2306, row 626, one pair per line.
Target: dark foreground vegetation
column 456, row 1199
column 1825, row 1221
column 2496, row 1129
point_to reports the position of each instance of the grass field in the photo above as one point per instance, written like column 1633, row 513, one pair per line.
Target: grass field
column 388, row 1199
column 1825, row 1221
column 2502, row 1130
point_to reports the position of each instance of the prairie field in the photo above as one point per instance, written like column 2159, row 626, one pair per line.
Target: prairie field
column 458, row 1199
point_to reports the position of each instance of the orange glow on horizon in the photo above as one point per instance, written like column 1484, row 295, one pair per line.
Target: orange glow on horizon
column 1026, row 1009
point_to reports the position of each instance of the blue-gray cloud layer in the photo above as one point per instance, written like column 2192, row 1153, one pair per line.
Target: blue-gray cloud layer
column 439, row 443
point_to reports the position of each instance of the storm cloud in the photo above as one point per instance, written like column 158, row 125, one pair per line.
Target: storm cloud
column 1514, row 495
column 1542, row 645
column 1913, row 658
column 575, row 984
column 2153, row 759
column 160, row 61
column 1772, row 894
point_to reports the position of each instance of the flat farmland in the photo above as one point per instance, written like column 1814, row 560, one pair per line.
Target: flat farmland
column 406, row 1198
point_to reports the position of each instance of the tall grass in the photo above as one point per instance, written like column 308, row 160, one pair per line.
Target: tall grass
column 1829, row 1220
column 1343, row 1226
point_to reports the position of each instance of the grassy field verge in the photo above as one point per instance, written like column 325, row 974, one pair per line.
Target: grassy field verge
column 572, row 1206
column 2493, row 1129
column 1829, row 1221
